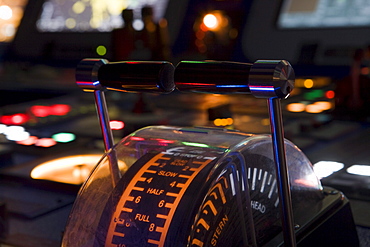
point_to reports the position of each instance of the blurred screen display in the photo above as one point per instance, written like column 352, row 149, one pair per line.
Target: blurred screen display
column 11, row 13
column 324, row 14
column 92, row 15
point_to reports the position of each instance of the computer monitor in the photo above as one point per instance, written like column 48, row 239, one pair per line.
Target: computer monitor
column 314, row 14
column 316, row 32
column 67, row 31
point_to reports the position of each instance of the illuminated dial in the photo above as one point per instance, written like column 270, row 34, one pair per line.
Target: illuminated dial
column 178, row 192
column 168, row 190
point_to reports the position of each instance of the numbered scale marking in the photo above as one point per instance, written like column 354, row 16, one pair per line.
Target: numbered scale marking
column 170, row 199
column 146, row 208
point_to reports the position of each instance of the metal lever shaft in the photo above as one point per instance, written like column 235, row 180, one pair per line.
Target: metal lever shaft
column 98, row 75
column 271, row 79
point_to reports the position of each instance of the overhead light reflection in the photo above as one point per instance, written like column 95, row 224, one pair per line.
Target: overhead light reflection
column 324, row 169
column 362, row 170
column 71, row 169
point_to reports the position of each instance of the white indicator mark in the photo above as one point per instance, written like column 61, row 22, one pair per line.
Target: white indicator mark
column 272, row 188
column 232, row 184
column 243, row 187
column 254, row 178
column 264, row 182
column 277, row 202
column 269, row 182
column 249, row 173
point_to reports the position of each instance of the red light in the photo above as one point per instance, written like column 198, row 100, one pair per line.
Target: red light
column 116, row 125
column 6, row 120
column 330, row 94
column 40, row 110
column 165, row 141
column 16, row 119
column 19, row 118
column 135, row 138
column 45, row 142
column 29, row 141
column 59, row 109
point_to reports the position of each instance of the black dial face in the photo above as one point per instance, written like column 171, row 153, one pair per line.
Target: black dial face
column 181, row 198
column 229, row 214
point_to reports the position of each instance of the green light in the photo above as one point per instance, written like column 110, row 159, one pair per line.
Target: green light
column 64, row 137
column 194, row 144
column 314, row 94
column 101, row 50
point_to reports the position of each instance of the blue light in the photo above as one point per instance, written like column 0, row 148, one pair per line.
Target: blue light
column 232, row 86
column 260, row 88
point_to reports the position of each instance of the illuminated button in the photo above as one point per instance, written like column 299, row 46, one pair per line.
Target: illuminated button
column 40, row 110
column 308, row 83
column 16, row 133
column 324, row 105
column 116, row 125
column 101, row 50
column 59, row 109
column 330, row 94
column 31, row 140
column 64, row 137
column 312, row 108
column 296, row 107
column 16, row 119
column 45, row 142
column 19, row 118
column 2, row 128
column 223, row 121
column 318, row 107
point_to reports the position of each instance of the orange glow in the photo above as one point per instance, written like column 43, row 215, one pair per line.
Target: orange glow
column 210, row 21
column 308, row 83
column 296, row 107
column 70, row 169
column 223, row 121
column 319, row 106
column 312, row 108
column 45, row 142
column 29, row 141
column 213, row 21
column 324, row 105
column 365, row 71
